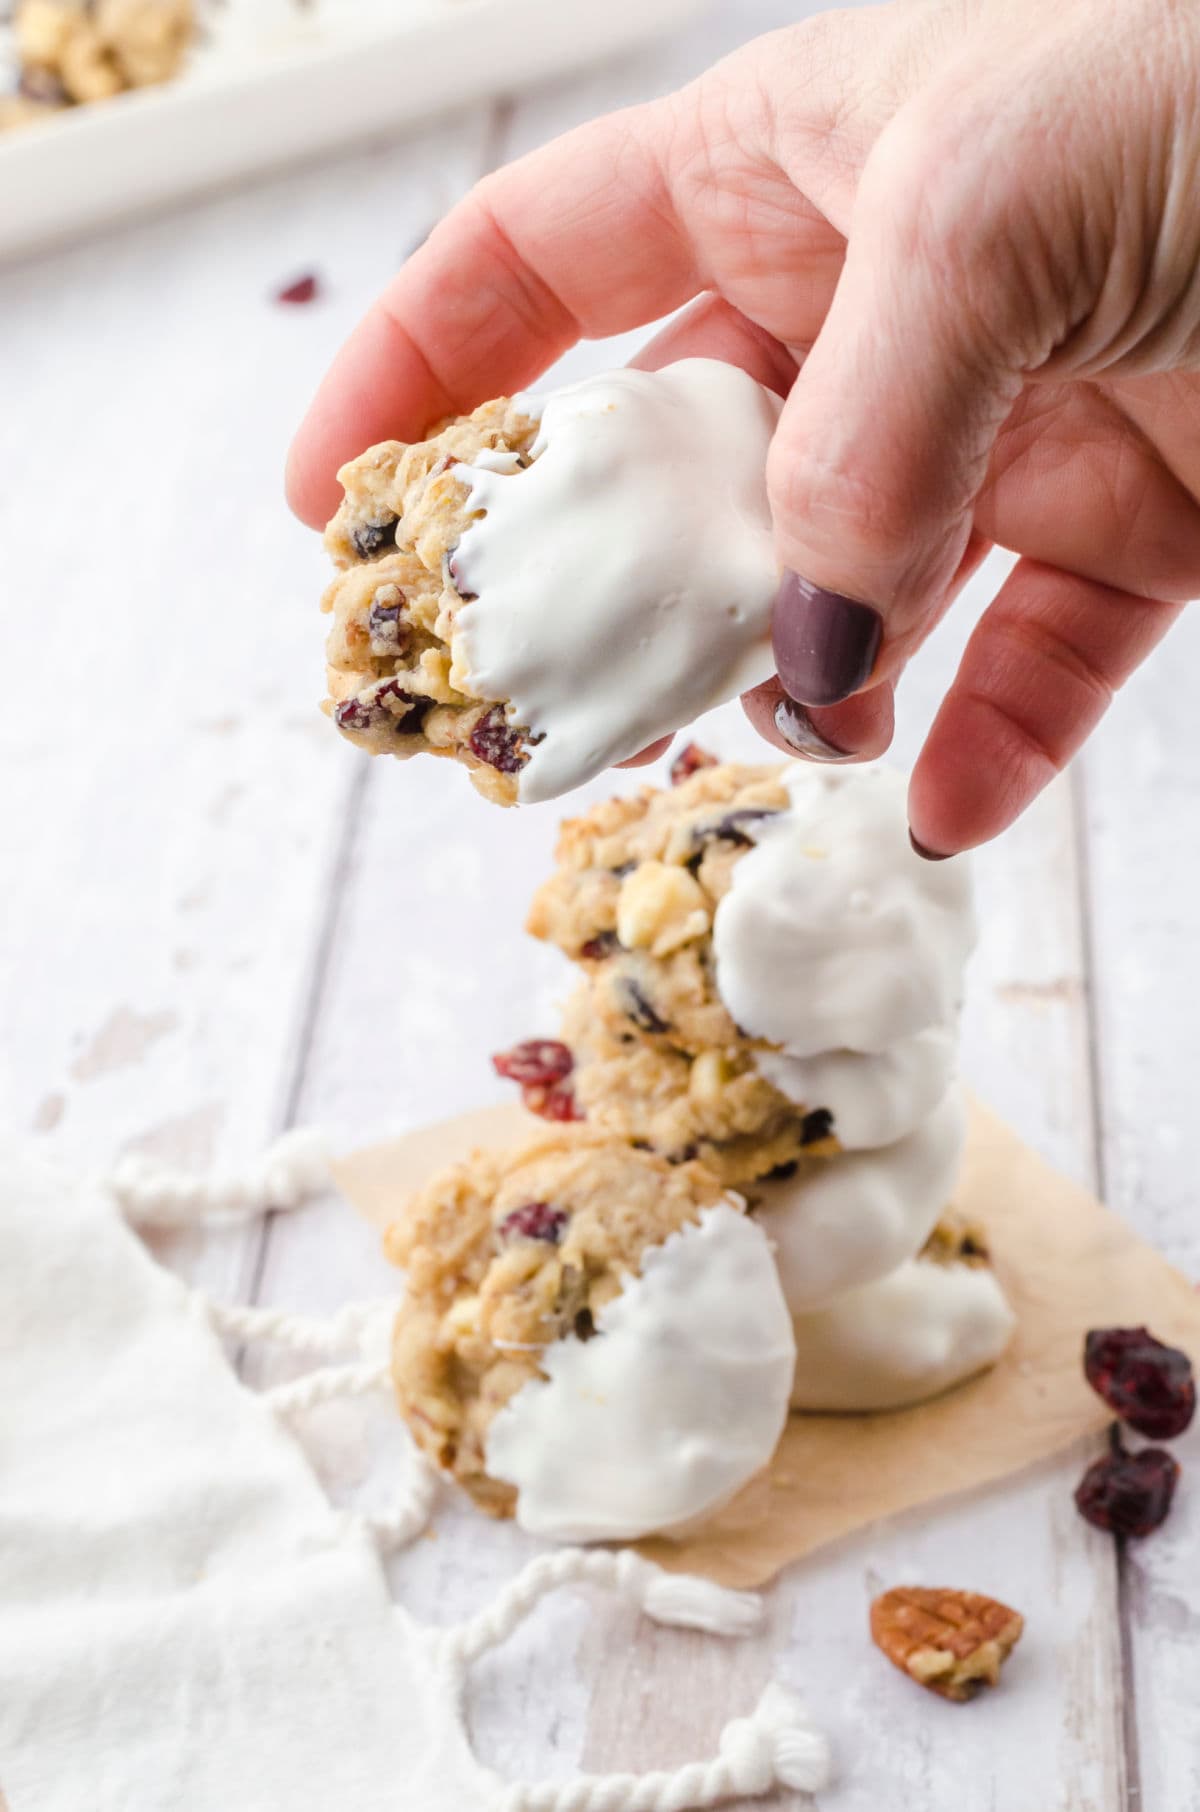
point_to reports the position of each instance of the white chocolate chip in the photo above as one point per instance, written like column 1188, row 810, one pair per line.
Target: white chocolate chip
column 706, row 1079
column 462, row 1317
column 660, row 908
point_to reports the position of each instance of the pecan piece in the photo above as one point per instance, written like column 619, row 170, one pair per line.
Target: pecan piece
column 952, row 1642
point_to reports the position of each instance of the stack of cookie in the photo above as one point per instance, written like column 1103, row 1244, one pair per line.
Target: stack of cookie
column 756, row 1120
column 772, row 983
column 745, row 1198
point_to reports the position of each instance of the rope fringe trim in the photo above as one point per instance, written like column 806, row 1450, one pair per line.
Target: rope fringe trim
column 676, row 1599
column 290, row 1172
column 777, row 1745
column 358, row 1327
column 361, row 1327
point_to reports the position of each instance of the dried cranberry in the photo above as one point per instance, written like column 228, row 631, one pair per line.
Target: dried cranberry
column 1147, row 1384
column 303, row 289
column 370, row 538
column 372, row 713
column 636, row 1006
column 353, row 714
column 1128, row 1494
column 551, row 1100
column 384, row 620
column 690, row 759
column 600, row 946
column 534, row 1220
column 41, row 85
column 409, row 720
column 816, row 1126
column 494, row 742
column 538, row 1060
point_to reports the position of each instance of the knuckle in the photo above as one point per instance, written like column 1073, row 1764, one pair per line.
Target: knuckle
column 947, row 192
column 835, row 504
column 1020, row 762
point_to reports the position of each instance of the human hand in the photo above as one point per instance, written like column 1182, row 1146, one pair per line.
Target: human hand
column 961, row 236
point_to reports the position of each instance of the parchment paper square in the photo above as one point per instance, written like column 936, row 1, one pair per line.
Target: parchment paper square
column 1068, row 1265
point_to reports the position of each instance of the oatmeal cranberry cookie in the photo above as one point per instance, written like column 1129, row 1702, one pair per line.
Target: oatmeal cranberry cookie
column 925, row 1327
column 779, row 919
column 517, row 1261
column 573, row 576
column 394, row 687
column 89, row 50
column 850, row 1221
column 504, row 1255
column 714, row 1106
column 635, row 893
column 958, row 1239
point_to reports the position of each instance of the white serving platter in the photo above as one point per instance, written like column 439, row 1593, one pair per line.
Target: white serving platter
column 281, row 81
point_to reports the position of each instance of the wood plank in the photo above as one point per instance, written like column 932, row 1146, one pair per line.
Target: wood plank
column 1141, row 784
column 177, row 797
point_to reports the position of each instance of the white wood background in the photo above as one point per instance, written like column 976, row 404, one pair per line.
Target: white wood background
column 218, row 920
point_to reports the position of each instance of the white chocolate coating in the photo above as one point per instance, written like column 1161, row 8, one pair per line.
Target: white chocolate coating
column 860, row 1216
column 624, row 581
column 906, row 1337
column 678, row 1399
column 844, row 948
column 875, row 1097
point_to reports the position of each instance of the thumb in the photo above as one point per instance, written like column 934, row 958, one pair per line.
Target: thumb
column 883, row 444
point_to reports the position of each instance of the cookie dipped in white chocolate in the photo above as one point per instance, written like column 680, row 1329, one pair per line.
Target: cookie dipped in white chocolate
column 621, row 583
column 676, row 1401
column 857, row 1217
column 875, row 1097
column 842, row 947
column 908, row 1336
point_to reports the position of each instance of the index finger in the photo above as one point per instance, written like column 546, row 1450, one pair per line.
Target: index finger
column 576, row 240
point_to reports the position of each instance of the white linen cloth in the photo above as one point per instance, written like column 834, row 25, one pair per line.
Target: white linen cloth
column 186, row 1623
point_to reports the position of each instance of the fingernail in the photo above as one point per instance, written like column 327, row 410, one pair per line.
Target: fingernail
column 801, row 733
column 930, row 855
column 825, row 644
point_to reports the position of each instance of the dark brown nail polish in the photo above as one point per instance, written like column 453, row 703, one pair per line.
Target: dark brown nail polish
column 929, row 855
column 801, row 733
column 825, row 644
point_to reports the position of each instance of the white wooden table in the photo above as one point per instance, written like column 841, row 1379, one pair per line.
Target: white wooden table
column 218, row 921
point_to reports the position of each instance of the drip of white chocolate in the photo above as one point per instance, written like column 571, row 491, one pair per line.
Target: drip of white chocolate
column 906, row 1337
column 623, row 582
column 857, row 1217
column 845, row 949
column 677, row 1400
